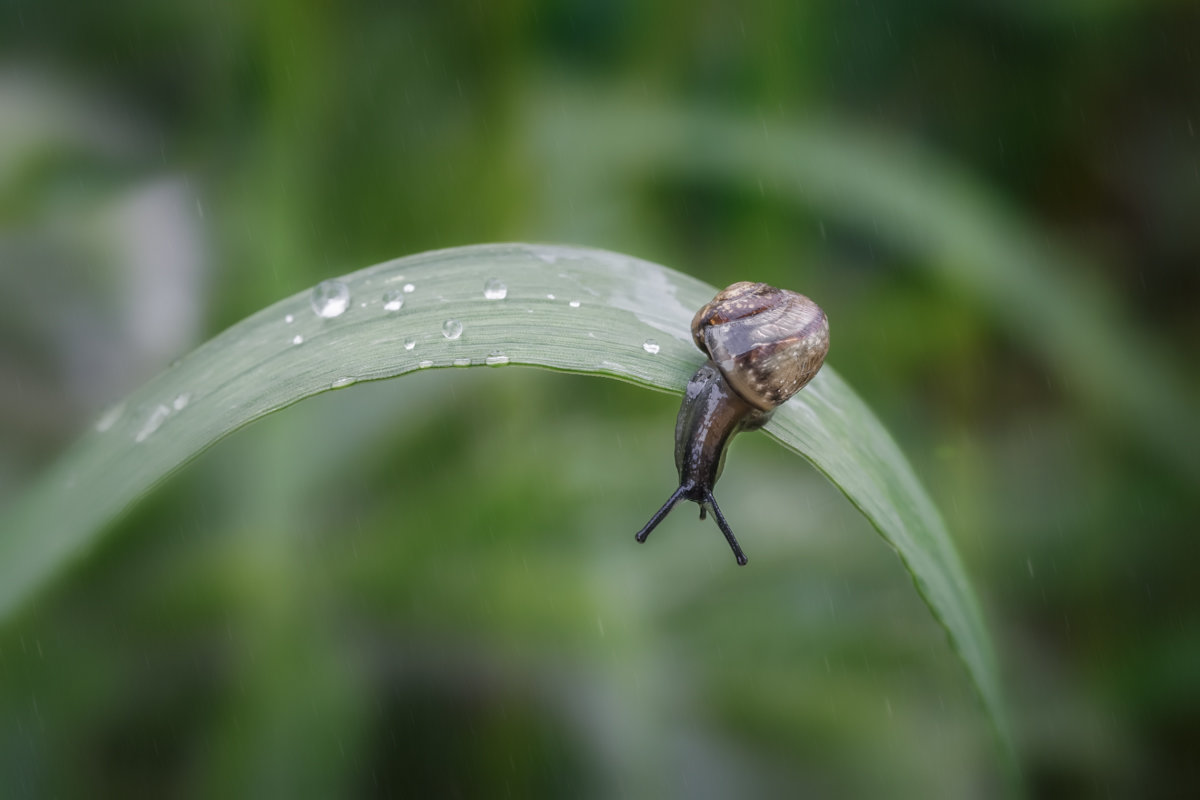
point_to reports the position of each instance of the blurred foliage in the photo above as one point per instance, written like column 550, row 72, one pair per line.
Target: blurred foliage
column 258, row 622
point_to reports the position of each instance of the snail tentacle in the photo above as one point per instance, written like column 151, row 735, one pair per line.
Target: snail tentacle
column 709, row 500
column 660, row 514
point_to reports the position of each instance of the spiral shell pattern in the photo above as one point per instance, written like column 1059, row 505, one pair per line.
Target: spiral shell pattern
column 767, row 342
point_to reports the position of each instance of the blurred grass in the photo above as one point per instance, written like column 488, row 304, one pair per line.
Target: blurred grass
column 302, row 140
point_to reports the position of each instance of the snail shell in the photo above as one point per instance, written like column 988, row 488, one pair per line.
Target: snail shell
column 764, row 345
column 767, row 342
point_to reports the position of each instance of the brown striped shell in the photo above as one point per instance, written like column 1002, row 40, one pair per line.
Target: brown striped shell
column 767, row 342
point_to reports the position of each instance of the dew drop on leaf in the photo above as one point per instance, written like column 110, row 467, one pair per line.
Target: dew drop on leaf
column 110, row 418
column 330, row 299
column 494, row 289
column 452, row 329
column 393, row 301
column 153, row 422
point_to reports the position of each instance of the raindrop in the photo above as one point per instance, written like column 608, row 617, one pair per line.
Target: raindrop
column 153, row 422
column 409, row 288
column 650, row 346
column 289, row 319
column 393, row 301
column 110, row 417
column 425, row 363
column 330, row 299
column 496, row 359
column 342, row 382
column 181, row 401
column 297, row 339
column 410, row 343
column 462, row 362
column 494, row 289
column 574, row 304
column 452, row 329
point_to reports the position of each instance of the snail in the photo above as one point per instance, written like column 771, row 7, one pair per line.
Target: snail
column 763, row 345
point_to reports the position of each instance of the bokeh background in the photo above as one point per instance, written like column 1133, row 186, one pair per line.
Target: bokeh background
column 428, row 587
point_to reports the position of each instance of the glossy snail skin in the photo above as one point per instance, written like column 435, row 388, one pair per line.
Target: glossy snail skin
column 763, row 345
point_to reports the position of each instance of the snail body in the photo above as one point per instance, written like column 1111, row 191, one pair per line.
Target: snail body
column 763, row 345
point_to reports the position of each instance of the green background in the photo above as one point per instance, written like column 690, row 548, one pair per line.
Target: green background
column 429, row 586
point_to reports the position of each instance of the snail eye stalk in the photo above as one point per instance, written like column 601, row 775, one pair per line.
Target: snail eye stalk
column 659, row 515
column 706, row 502
column 725, row 529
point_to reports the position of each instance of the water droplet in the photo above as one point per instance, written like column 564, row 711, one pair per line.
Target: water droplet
column 410, row 343
column 462, row 362
column 409, row 288
column 650, row 346
column 452, row 329
column 494, row 289
column 289, row 319
column 496, row 359
column 153, row 422
column 181, row 401
column 110, row 417
column 330, row 299
column 342, row 382
column 574, row 304
column 425, row 363
column 297, row 339
column 393, row 301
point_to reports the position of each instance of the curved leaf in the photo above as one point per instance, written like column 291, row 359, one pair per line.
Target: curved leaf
column 564, row 308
